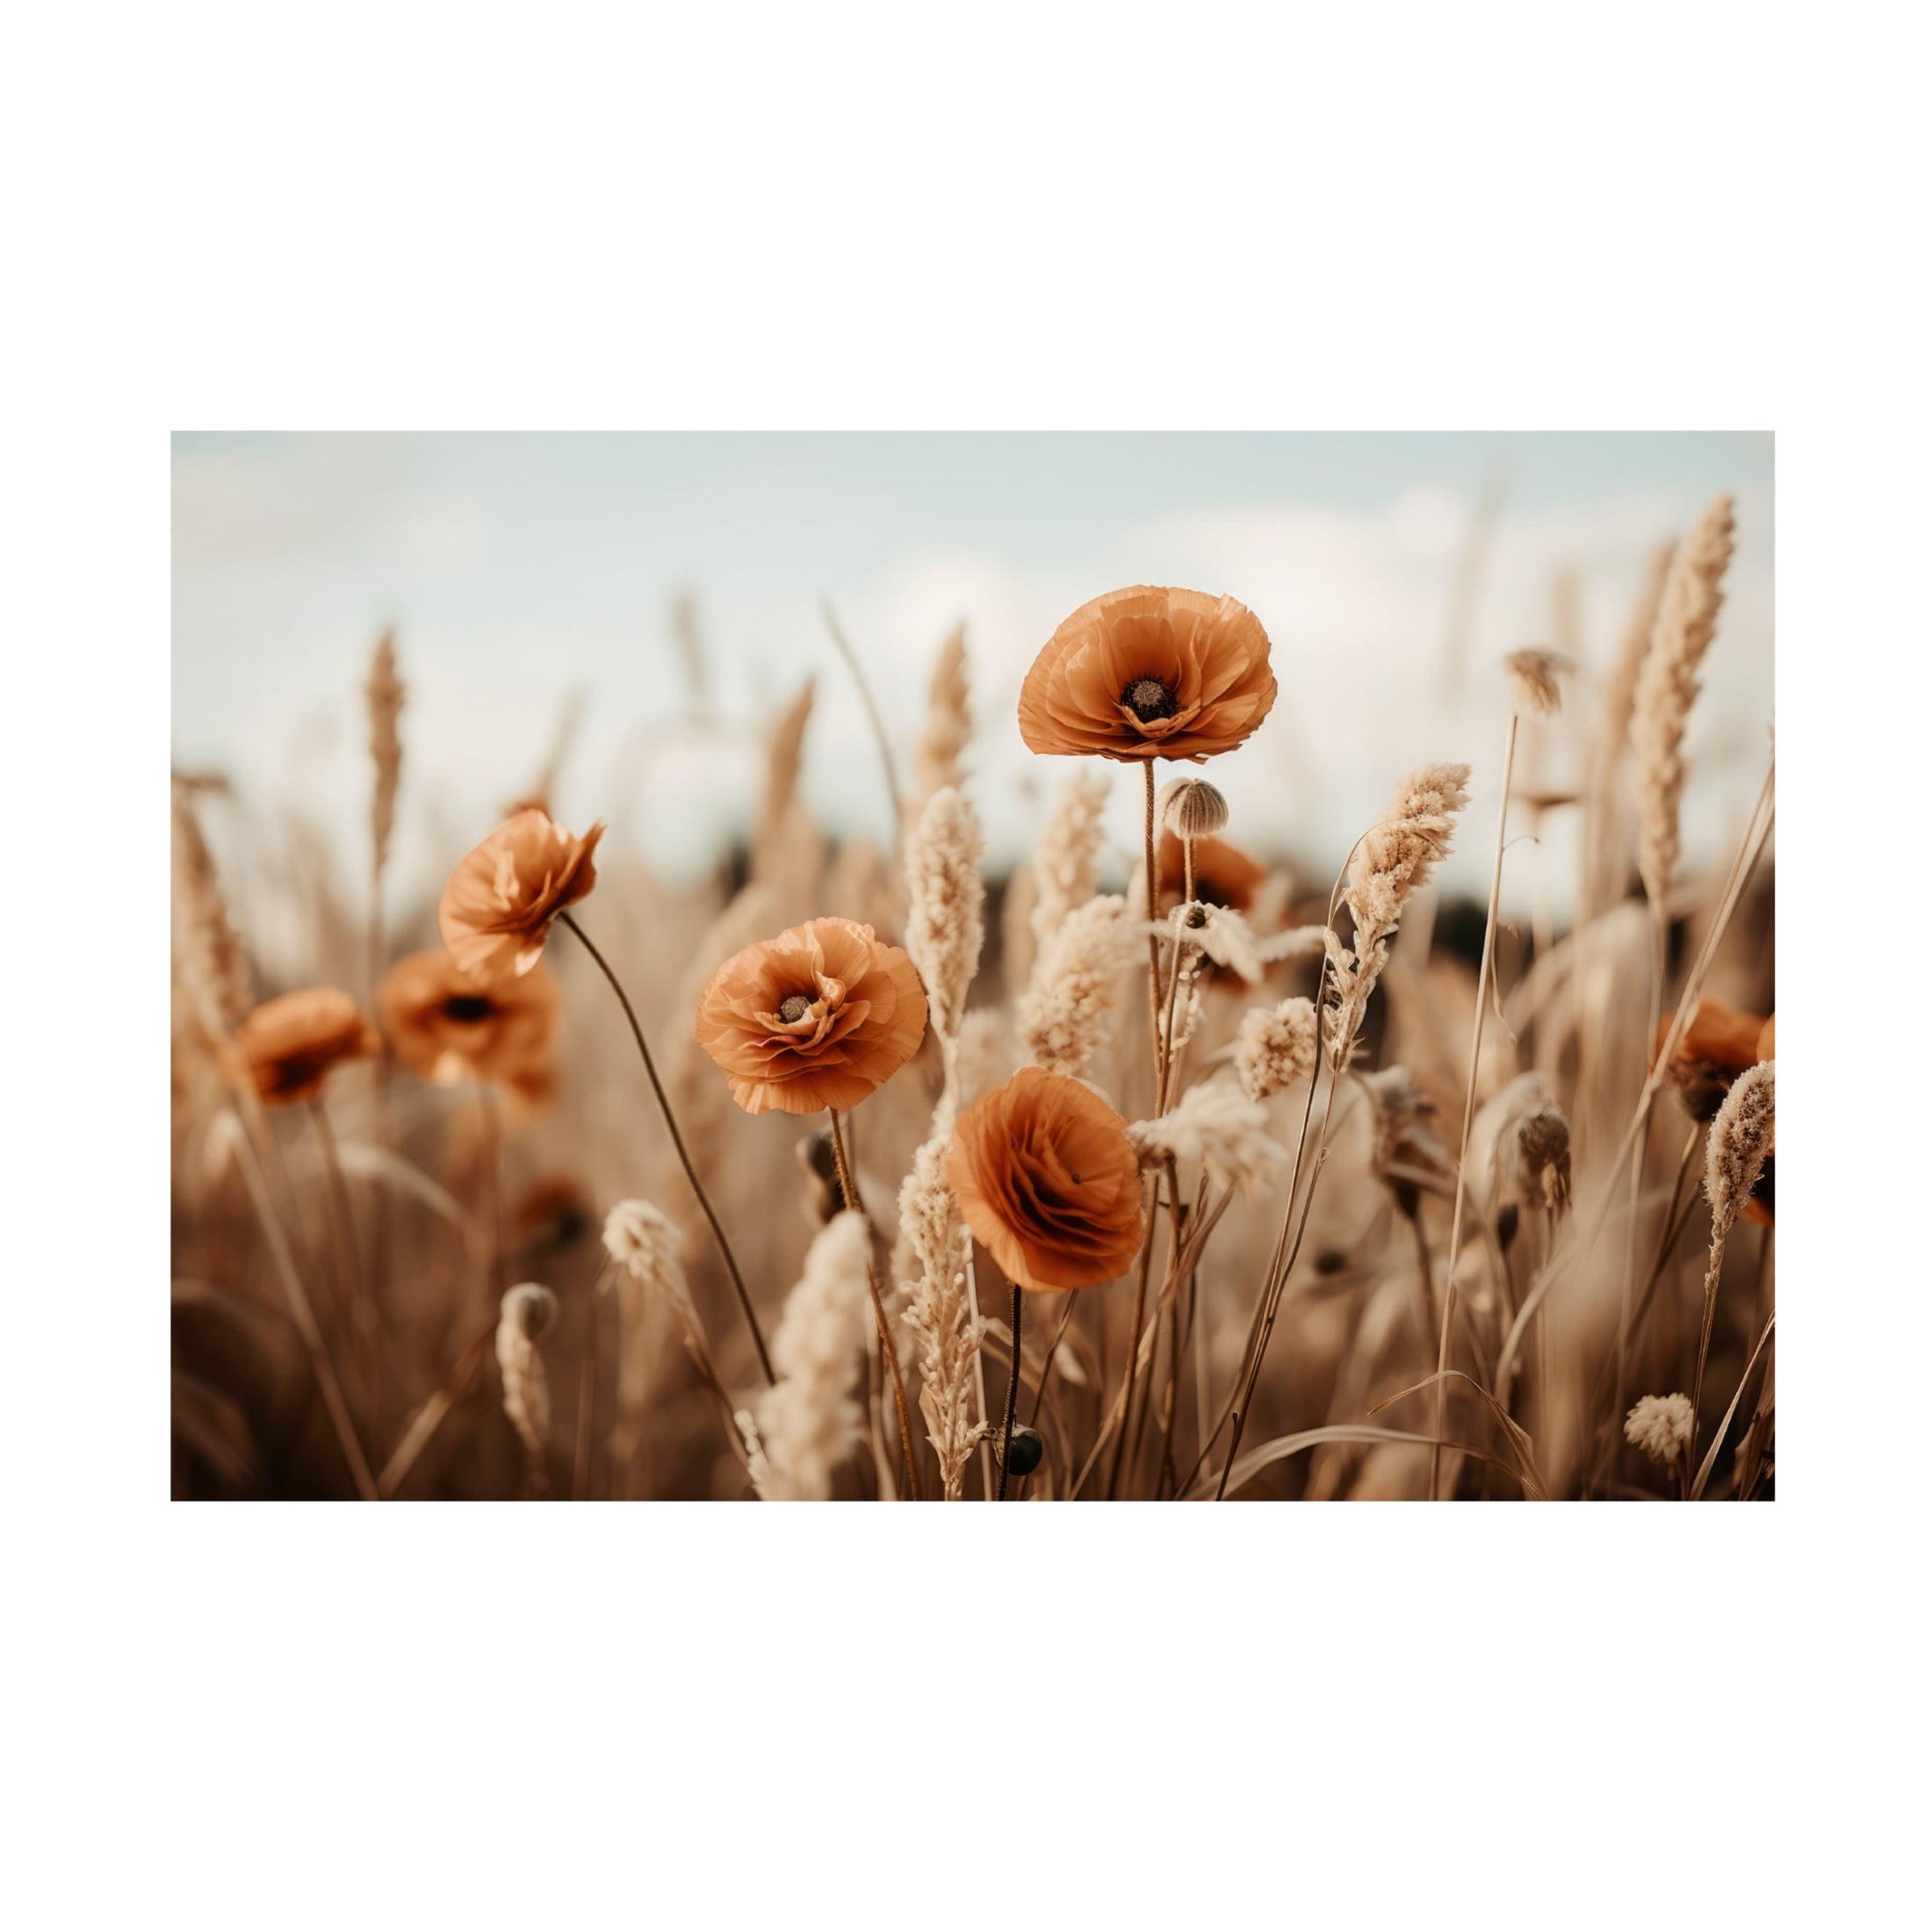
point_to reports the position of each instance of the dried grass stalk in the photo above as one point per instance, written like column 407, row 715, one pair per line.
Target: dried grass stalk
column 383, row 696
column 809, row 1421
column 1666, row 687
column 939, row 1312
column 1068, row 1010
column 214, row 969
column 946, row 924
column 527, row 1312
column 948, row 719
column 1066, row 862
column 1740, row 1142
column 1275, row 1048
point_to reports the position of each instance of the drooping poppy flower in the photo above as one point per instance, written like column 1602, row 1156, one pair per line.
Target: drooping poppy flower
column 1149, row 673
column 1719, row 1044
column 291, row 1044
column 450, row 1025
column 1049, row 1181
column 1224, row 874
column 500, row 901
column 814, row 1019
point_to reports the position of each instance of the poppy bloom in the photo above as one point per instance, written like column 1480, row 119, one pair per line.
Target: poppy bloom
column 1719, row 1044
column 1224, row 874
column 450, row 1025
column 290, row 1044
column 1049, row 1181
column 500, row 901
column 816, row 1018
column 1148, row 673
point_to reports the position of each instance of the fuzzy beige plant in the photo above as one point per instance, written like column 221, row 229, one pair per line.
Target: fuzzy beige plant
column 946, row 925
column 1391, row 861
column 1066, row 860
column 1661, row 1425
column 1740, row 1140
column 810, row 1421
column 527, row 1314
column 939, row 1312
column 1216, row 1124
column 948, row 718
column 1666, row 687
column 1070, row 1008
column 1275, row 1048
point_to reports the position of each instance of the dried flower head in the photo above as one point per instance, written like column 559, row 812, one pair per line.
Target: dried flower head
column 1046, row 1177
column 1216, row 1124
column 1403, row 1138
column 291, row 1045
column 1191, row 808
column 816, row 1018
column 1660, row 1425
column 1275, row 1048
column 450, row 1026
column 1149, row 673
column 500, row 904
column 1534, row 686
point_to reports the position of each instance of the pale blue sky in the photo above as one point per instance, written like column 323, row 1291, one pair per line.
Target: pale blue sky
column 520, row 567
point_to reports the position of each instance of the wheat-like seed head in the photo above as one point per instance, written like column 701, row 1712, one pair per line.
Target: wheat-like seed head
column 1065, row 863
column 1739, row 1142
column 939, row 1312
column 946, row 925
column 1068, row 1010
column 214, row 967
column 1534, row 688
column 1213, row 1122
column 1666, row 687
column 528, row 1311
column 383, row 697
column 809, row 1421
column 948, row 718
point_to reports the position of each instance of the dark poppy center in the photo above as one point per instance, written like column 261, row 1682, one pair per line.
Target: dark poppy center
column 468, row 1007
column 1148, row 698
column 794, row 1009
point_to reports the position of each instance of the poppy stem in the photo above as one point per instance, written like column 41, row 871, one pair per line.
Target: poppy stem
column 848, row 1188
column 677, row 1141
column 1013, row 1394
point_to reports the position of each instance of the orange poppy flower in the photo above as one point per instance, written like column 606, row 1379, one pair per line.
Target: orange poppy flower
column 1719, row 1044
column 289, row 1044
column 450, row 1025
column 1048, row 1180
column 500, row 901
column 1148, row 673
column 816, row 1018
column 1224, row 874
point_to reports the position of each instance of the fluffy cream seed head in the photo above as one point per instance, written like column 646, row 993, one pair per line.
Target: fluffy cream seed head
column 1216, row 1124
column 1740, row 1142
column 808, row 1422
column 945, row 927
column 1068, row 1010
column 1275, row 1048
column 1660, row 1425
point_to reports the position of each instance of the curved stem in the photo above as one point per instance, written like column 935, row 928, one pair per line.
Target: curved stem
column 848, row 1188
column 684, row 1159
column 1468, row 1114
column 1013, row 1393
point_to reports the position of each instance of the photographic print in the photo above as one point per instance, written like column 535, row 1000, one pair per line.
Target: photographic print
column 973, row 967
